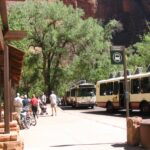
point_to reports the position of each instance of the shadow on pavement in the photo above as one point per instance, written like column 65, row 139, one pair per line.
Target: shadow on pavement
column 119, row 113
column 117, row 145
column 71, row 108
column 116, row 114
column 127, row 147
column 82, row 144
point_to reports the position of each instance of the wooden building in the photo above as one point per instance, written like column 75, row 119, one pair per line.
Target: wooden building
column 11, row 60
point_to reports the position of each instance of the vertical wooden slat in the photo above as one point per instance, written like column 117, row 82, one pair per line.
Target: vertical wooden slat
column 1, row 40
column 3, row 11
column 10, row 100
column 13, row 96
column 6, row 91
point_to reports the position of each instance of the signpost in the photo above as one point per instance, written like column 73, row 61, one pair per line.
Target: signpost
column 118, row 57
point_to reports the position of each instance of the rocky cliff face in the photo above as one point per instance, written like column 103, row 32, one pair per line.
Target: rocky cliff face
column 89, row 6
column 133, row 14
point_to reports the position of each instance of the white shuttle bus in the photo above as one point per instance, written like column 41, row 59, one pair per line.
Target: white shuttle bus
column 110, row 93
column 82, row 94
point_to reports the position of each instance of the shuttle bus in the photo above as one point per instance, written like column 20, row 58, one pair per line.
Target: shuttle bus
column 110, row 93
column 82, row 94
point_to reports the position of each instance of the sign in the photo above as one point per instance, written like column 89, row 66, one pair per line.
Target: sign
column 117, row 54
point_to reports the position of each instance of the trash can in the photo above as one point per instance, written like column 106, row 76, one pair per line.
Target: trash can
column 145, row 133
column 133, row 130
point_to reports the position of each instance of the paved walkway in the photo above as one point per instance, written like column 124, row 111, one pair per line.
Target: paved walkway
column 71, row 132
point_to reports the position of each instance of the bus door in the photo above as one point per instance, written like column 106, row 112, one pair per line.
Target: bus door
column 121, row 94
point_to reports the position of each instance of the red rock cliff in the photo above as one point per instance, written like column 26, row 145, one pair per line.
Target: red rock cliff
column 132, row 13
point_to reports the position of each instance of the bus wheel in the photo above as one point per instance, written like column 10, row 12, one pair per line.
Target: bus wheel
column 109, row 107
column 145, row 108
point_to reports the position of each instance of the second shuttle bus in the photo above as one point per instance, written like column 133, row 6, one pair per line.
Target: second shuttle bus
column 110, row 93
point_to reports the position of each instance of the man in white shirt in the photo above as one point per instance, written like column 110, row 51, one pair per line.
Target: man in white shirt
column 53, row 102
column 18, row 104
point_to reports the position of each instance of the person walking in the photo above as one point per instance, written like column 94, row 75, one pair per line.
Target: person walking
column 53, row 103
column 18, row 104
column 34, row 105
column 26, row 103
column 43, row 98
column 39, row 103
column 43, row 105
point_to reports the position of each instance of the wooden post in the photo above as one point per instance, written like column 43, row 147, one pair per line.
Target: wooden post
column 6, row 90
column 126, row 94
column 10, row 100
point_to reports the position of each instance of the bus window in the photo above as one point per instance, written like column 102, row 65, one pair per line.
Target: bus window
column 121, row 87
column 116, row 88
column 135, row 84
column 145, row 85
column 86, row 92
column 81, row 92
column 73, row 92
column 110, row 88
column 90, row 92
column 103, row 89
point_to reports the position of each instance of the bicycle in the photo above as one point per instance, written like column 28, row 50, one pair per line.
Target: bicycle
column 24, row 120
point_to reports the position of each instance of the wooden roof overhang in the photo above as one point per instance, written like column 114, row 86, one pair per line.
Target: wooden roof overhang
column 11, row 60
column 15, row 63
column 15, row 55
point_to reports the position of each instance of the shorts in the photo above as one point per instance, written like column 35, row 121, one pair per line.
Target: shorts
column 53, row 105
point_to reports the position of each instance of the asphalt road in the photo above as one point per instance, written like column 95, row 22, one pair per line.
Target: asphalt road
column 78, row 129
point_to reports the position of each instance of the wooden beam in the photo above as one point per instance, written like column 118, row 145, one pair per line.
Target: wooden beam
column 14, row 72
column 3, row 12
column 15, row 65
column 1, row 60
column 15, row 35
column 16, row 0
column 16, row 62
column 15, row 79
column 6, row 90
column 16, row 56
column 1, row 40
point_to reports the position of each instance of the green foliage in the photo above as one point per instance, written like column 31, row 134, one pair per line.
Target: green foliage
column 59, row 31
column 140, row 53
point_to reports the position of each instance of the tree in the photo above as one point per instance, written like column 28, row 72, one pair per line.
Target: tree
column 139, row 53
column 94, row 63
column 56, row 32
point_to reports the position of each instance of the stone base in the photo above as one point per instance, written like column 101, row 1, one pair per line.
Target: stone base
column 133, row 130
column 12, row 145
column 13, row 126
column 12, row 140
column 145, row 133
